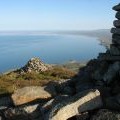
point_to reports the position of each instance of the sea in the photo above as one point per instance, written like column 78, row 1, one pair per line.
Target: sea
column 16, row 50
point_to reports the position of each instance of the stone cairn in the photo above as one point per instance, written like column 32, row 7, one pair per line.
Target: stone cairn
column 114, row 53
column 34, row 64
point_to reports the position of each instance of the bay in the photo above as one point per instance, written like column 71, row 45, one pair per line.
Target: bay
column 16, row 50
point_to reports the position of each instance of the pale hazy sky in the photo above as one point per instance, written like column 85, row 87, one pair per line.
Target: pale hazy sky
column 56, row 14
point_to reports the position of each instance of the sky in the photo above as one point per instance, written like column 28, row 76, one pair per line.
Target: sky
column 17, row 15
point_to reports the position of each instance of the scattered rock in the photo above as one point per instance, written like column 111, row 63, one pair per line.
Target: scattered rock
column 81, row 102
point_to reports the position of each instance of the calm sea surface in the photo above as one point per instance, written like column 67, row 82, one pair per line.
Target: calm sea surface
column 15, row 51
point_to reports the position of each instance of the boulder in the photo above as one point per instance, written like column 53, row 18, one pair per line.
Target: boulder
column 81, row 102
column 118, row 15
column 117, row 7
column 105, row 114
column 115, row 31
column 34, row 64
column 112, row 72
column 117, row 23
column 30, row 94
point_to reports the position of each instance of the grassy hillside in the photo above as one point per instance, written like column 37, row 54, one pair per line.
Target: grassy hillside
column 13, row 80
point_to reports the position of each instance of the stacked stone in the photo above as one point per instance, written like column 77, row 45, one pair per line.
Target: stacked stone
column 114, row 53
column 115, row 46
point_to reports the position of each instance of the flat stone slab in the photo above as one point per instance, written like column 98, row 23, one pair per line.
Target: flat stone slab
column 117, row 23
column 117, row 15
column 117, row 7
column 115, row 30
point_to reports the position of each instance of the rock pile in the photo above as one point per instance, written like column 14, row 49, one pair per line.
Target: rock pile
column 34, row 64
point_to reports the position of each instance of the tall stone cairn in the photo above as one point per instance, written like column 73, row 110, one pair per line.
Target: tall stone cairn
column 113, row 54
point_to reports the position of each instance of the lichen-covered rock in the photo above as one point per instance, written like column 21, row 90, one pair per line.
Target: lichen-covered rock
column 105, row 114
column 29, row 94
column 81, row 102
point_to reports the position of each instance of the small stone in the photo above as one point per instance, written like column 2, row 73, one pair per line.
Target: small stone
column 117, row 23
column 117, row 7
column 105, row 114
column 114, row 49
column 116, row 39
column 115, row 31
column 118, row 15
column 111, row 73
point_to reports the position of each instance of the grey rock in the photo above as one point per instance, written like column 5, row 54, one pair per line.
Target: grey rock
column 81, row 102
column 115, row 31
column 83, row 116
column 117, row 7
column 50, row 104
column 114, row 50
column 108, row 57
column 116, row 39
column 111, row 73
column 117, row 23
column 83, row 86
column 118, row 15
column 105, row 114
column 5, row 102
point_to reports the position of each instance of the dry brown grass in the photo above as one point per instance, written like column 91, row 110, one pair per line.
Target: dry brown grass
column 12, row 81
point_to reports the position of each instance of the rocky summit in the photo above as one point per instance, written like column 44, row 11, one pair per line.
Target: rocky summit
column 92, row 94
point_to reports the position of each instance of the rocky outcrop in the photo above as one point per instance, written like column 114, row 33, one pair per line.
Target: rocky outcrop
column 34, row 65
